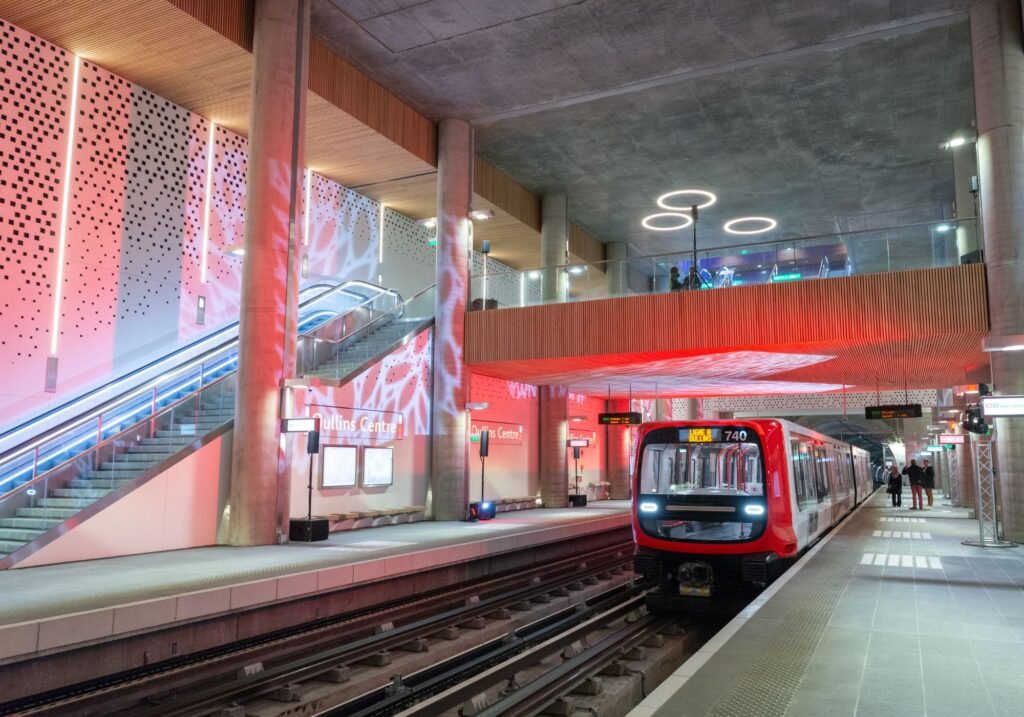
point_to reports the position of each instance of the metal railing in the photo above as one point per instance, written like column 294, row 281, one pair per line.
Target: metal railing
column 901, row 248
column 143, row 399
column 317, row 348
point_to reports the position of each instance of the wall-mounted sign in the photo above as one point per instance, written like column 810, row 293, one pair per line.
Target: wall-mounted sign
column 619, row 419
column 342, row 422
column 338, row 466
column 935, row 449
column 1002, row 406
column 500, row 432
column 298, row 425
column 954, row 439
column 902, row 410
column 378, row 467
column 578, row 443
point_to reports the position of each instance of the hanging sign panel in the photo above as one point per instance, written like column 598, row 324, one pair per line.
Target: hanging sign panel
column 902, row 410
column 953, row 439
column 619, row 419
column 1002, row 406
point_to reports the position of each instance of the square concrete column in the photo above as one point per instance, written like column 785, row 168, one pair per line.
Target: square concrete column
column 554, row 455
column 270, row 271
column 449, row 479
column 617, row 442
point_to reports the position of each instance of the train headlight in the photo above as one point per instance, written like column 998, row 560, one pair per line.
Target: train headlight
column 753, row 509
column 648, row 507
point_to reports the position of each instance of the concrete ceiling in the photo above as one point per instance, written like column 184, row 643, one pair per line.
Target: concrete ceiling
column 826, row 116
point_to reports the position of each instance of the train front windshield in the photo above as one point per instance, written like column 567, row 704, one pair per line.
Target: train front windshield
column 716, row 480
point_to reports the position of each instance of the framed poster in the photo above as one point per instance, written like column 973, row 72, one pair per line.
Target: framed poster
column 378, row 467
column 338, row 467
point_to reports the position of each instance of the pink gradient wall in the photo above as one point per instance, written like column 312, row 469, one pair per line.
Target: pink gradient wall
column 511, row 466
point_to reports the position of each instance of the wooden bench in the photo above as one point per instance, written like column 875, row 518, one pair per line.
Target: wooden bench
column 374, row 518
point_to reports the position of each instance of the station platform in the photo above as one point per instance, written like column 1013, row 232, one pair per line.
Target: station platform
column 56, row 606
column 889, row 615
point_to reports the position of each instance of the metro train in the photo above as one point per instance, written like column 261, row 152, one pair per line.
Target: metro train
column 720, row 508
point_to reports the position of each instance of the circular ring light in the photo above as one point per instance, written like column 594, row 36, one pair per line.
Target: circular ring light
column 707, row 197
column 768, row 222
column 687, row 220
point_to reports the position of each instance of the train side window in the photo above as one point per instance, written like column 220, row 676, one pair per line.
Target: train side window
column 802, row 480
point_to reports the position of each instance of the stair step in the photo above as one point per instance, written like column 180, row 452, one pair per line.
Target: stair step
column 93, row 493
column 30, row 523
column 123, row 465
column 177, row 434
column 16, row 535
column 123, row 474
column 104, row 483
column 65, row 502
column 9, row 546
column 172, row 442
column 62, row 513
column 139, row 457
column 147, row 449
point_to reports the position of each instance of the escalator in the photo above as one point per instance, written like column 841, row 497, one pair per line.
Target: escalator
column 169, row 409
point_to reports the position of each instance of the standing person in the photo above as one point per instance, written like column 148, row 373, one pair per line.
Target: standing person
column 916, row 476
column 674, row 284
column 928, row 480
column 692, row 280
column 895, row 489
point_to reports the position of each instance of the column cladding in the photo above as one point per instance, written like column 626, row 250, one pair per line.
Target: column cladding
column 449, row 456
column 618, row 452
column 997, row 53
column 554, row 245
column 270, row 270
column 554, row 456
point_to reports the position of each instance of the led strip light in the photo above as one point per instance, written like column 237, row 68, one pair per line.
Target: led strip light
column 58, row 292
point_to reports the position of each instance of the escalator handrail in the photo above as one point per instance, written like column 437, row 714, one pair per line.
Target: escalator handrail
column 35, row 441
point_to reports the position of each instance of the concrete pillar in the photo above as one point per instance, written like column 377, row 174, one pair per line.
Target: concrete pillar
column 617, row 442
column 554, row 456
column 270, row 272
column 997, row 52
column 449, row 478
column 663, row 409
column 617, row 268
column 554, row 245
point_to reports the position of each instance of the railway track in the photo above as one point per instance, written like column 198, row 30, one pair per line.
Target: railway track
column 208, row 682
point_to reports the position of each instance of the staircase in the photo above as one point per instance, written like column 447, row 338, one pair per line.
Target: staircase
column 59, row 504
column 353, row 357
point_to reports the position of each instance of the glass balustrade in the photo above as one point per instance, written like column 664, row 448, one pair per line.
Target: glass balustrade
column 916, row 246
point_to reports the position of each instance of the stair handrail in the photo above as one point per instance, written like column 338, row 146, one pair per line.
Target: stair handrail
column 399, row 310
column 92, row 414
column 823, row 269
column 45, row 475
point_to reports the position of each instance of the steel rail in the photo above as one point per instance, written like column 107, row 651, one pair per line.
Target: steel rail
column 125, row 690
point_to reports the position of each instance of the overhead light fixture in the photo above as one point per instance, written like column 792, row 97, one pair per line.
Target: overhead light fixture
column 235, row 250
column 704, row 196
column 943, row 228
column 577, row 418
column 429, row 223
column 577, row 269
column 477, row 406
column 533, row 274
column 767, row 224
column 955, row 142
column 685, row 221
column 481, row 215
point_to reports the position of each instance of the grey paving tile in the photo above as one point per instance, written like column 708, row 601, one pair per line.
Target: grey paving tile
column 956, row 699
column 887, row 686
column 895, row 661
column 874, row 708
column 809, row 703
column 697, row 697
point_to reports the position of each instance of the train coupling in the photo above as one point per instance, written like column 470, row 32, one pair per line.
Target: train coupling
column 695, row 579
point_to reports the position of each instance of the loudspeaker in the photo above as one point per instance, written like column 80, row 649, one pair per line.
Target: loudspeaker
column 485, row 246
column 484, row 440
column 576, row 451
column 482, row 510
column 303, row 530
column 313, row 442
column 577, row 501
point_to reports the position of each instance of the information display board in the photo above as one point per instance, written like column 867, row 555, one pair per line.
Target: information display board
column 954, row 439
column 1002, row 406
column 902, row 410
column 619, row 419
column 378, row 467
column 338, row 466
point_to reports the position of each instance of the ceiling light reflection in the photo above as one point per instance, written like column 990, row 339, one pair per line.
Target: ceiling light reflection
column 707, row 197
column 685, row 221
column 768, row 225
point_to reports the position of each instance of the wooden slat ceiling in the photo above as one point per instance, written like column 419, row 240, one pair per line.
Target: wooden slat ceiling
column 196, row 53
column 917, row 329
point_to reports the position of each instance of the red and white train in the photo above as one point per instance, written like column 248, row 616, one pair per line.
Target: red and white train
column 718, row 505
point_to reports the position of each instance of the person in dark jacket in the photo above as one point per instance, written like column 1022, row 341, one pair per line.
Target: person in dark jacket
column 895, row 487
column 928, row 481
column 674, row 282
column 916, row 477
column 692, row 280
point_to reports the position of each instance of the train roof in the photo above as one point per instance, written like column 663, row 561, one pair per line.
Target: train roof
column 788, row 425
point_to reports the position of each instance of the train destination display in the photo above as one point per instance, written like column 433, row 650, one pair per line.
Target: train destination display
column 619, row 419
column 713, row 435
column 902, row 410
